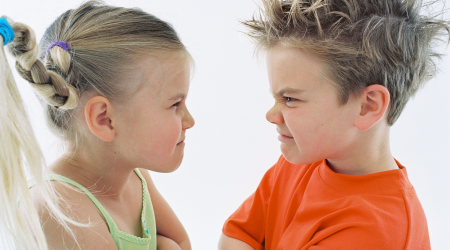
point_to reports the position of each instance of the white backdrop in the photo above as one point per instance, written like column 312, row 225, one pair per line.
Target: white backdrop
column 232, row 145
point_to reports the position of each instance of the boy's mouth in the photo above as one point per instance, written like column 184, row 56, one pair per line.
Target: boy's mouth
column 283, row 137
column 286, row 136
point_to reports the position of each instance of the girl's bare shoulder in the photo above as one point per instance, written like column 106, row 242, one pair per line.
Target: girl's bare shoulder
column 78, row 206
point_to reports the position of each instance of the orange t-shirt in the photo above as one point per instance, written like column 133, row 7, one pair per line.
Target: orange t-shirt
column 312, row 207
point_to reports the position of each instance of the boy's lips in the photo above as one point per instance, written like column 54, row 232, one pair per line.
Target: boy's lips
column 283, row 137
column 279, row 130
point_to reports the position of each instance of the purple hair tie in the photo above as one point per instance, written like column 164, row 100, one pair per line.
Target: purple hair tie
column 63, row 45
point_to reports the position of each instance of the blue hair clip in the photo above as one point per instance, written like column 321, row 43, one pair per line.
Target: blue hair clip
column 6, row 31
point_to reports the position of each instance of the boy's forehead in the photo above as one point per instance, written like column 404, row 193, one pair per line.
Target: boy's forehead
column 292, row 70
column 283, row 52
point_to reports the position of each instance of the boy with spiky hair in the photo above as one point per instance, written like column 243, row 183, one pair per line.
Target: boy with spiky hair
column 341, row 72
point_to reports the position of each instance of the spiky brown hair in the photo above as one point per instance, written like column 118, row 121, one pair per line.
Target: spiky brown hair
column 362, row 42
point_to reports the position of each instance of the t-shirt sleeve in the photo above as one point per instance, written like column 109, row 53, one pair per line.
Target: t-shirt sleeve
column 356, row 238
column 367, row 226
column 248, row 222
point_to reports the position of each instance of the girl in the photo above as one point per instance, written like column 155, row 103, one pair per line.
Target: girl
column 113, row 82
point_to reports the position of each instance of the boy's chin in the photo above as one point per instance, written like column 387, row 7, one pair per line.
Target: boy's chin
column 295, row 157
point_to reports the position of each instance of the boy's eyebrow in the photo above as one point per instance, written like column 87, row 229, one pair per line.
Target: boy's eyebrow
column 288, row 90
column 177, row 97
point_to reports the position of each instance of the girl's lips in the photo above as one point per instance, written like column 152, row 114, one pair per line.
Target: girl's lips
column 180, row 143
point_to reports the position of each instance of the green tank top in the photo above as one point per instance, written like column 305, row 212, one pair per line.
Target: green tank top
column 125, row 241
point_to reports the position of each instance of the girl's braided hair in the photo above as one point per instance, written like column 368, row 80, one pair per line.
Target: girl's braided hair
column 48, row 81
column 103, row 42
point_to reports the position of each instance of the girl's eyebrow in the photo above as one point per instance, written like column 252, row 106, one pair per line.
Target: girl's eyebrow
column 179, row 96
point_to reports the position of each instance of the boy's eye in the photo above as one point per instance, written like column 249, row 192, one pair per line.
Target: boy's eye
column 176, row 104
column 288, row 99
column 290, row 102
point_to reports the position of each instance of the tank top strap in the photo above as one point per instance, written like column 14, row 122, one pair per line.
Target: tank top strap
column 148, row 214
column 113, row 229
column 144, row 183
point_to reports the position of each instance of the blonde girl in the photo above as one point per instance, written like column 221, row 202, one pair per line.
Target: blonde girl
column 113, row 82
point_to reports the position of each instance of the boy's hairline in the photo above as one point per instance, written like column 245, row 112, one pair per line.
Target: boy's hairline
column 325, row 73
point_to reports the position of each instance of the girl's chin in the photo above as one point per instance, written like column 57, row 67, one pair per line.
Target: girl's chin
column 170, row 166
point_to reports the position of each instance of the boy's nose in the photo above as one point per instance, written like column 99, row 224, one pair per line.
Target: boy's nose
column 274, row 115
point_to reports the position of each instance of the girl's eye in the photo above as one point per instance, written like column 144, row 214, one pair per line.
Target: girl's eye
column 176, row 104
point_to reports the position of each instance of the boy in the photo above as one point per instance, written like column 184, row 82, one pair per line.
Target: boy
column 341, row 72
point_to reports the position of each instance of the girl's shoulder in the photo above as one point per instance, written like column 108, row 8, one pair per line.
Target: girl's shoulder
column 78, row 206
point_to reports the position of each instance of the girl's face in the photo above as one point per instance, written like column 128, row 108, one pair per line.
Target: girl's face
column 152, row 125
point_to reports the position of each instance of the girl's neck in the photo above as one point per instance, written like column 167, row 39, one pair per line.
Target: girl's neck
column 104, row 174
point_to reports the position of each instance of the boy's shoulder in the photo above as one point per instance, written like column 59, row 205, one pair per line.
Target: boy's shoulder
column 331, row 210
column 392, row 182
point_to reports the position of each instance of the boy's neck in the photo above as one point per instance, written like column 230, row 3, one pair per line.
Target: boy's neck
column 371, row 154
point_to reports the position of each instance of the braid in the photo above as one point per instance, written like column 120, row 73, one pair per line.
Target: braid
column 21, row 155
column 48, row 84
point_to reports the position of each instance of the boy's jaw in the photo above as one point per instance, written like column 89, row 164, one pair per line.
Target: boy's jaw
column 288, row 145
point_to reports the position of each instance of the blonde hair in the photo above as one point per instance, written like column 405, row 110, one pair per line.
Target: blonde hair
column 362, row 42
column 20, row 155
column 103, row 41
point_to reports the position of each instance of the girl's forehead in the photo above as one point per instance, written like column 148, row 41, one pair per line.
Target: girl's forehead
column 159, row 74
column 167, row 78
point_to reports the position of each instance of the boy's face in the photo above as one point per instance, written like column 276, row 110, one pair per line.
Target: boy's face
column 310, row 120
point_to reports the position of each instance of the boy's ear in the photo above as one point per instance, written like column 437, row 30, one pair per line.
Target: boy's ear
column 99, row 117
column 374, row 102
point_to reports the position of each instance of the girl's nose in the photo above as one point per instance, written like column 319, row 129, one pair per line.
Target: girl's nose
column 188, row 120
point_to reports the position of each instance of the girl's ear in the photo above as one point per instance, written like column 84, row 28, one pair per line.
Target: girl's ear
column 375, row 101
column 99, row 114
